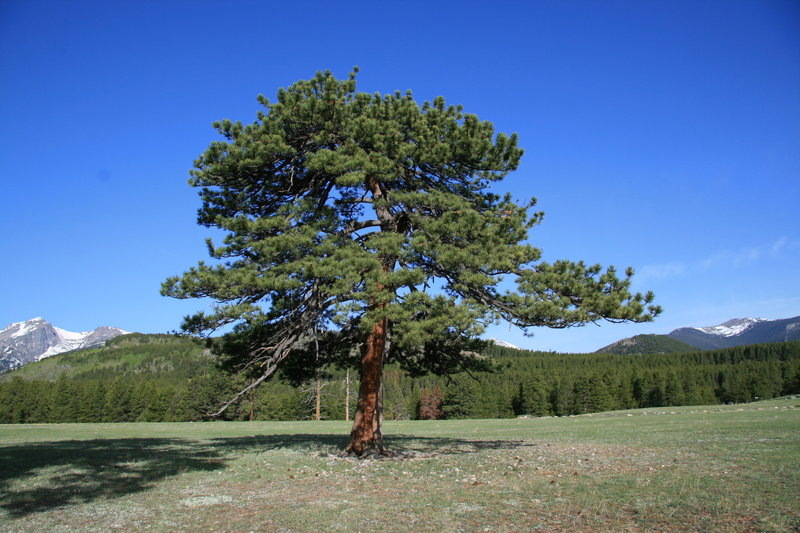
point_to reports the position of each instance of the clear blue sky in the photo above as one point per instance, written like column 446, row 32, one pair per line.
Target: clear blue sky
column 664, row 135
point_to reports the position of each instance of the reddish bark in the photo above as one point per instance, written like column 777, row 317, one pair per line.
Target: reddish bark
column 366, row 439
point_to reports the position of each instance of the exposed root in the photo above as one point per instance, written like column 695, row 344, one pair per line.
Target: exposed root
column 387, row 455
column 369, row 452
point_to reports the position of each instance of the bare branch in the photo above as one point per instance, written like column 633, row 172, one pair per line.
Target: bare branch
column 242, row 392
column 362, row 200
column 353, row 227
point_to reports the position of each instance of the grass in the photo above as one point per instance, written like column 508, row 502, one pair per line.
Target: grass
column 717, row 468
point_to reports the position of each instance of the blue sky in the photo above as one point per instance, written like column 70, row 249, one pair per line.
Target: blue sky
column 660, row 135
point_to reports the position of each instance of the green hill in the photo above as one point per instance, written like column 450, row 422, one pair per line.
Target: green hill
column 135, row 377
column 647, row 344
column 136, row 356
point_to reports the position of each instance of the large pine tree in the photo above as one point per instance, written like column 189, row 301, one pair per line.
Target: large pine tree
column 367, row 220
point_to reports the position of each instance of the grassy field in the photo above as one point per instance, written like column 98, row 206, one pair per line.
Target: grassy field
column 716, row 468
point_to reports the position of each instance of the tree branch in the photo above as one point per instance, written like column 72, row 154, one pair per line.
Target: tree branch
column 353, row 227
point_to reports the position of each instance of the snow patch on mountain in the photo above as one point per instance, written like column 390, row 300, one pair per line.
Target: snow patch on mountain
column 733, row 327
column 67, row 341
column 20, row 329
column 504, row 344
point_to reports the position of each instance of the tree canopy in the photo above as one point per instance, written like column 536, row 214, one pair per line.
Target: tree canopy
column 368, row 220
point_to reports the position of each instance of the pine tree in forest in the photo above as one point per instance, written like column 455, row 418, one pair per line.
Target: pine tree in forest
column 532, row 398
column 591, row 395
column 118, row 401
column 461, row 397
column 368, row 220
column 430, row 403
column 93, row 402
column 395, row 403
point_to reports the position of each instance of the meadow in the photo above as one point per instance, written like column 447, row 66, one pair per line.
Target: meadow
column 713, row 468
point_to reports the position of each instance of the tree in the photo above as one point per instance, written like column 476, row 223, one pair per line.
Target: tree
column 591, row 395
column 118, row 401
column 93, row 402
column 66, row 400
column 462, row 397
column 367, row 220
column 430, row 403
column 532, row 398
column 395, row 402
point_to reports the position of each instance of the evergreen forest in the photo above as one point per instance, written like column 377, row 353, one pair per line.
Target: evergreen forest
column 153, row 378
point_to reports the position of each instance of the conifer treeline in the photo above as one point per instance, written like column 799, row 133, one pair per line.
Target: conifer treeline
column 525, row 383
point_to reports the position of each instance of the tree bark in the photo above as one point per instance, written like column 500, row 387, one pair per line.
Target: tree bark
column 366, row 439
column 317, row 400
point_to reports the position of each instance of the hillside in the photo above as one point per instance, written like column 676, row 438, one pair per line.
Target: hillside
column 136, row 356
column 647, row 344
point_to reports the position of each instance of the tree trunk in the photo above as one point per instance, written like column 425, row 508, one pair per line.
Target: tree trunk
column 317, row 402
column 347, row 397
column 365, row 438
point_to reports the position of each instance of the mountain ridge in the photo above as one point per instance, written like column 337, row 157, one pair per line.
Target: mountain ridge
column 729, row 334
column 35, row 339
column 647, row 344
column 740, row 331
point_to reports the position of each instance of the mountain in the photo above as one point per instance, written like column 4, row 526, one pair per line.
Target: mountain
column 504, row 344
column 33, row 340
column 647, row 344
column 740, row 331
column 734, row 332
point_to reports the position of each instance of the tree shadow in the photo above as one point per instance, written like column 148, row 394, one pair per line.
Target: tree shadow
column 40, row 476
column 452, row 446
column 403, row 445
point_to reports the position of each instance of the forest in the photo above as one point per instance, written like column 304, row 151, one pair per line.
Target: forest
column 154, row 378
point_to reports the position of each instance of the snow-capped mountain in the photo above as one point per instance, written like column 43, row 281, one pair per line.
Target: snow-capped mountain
column 504, row 344
column 740, row 331
column 732, row 327
column 735, row 332
column 33, row 340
